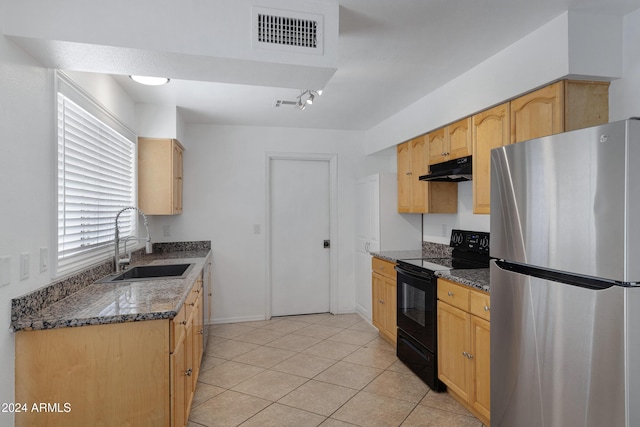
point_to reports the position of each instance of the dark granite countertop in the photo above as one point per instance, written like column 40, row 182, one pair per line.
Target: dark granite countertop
column 103, row 303
column 476, row 278
column 394, row 256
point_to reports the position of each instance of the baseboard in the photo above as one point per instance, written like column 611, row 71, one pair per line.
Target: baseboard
column 237, row 319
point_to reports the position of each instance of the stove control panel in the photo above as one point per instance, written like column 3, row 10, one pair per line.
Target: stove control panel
column 472, row 241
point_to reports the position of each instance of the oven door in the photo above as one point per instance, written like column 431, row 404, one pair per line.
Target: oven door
column 417, row 305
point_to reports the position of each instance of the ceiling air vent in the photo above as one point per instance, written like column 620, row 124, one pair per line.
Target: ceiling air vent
column 287, row 30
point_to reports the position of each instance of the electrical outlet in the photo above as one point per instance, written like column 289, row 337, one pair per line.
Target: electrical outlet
column 44, row 259
column 24, row 265
column 444, row 230
column 5, row 270
column 256, row 228
column 166, row 231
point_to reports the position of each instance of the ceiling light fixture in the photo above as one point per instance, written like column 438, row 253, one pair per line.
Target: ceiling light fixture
column 305, row 98
column 150, row 81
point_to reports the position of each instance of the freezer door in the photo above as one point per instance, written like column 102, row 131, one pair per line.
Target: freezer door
column 569, row 202
column 557, row 353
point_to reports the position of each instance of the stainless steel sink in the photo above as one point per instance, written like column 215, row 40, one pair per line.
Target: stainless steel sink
column 150, row 272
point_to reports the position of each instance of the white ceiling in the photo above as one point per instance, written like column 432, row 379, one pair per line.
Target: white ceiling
column 390, row 54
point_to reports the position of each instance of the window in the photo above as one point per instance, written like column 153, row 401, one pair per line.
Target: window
column 96, row 177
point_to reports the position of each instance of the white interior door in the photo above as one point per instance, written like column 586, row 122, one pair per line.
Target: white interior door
column 300, row 267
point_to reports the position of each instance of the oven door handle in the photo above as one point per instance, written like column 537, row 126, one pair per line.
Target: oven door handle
column 415, row 274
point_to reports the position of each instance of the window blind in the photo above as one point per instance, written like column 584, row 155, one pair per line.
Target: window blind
column 95, row 180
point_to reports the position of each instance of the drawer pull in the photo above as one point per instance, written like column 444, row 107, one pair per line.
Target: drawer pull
column 450, row 293
column 467, row 355
column 184, row 322
column 189, row 372
column 201, row 331
column 487, row 308
column 381, row 301
column 192, row 304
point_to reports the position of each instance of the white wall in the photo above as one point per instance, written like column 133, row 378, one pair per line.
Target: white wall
column 224, row 196
column 624, row 94
column 27, row 176
column 26, row 190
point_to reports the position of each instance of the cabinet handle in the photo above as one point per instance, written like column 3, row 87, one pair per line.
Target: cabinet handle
column 450, row 293
column 465, row 354
column 192, row 304
column 469, row 356
column 409, row 173
column 487, row 308
column 184, row 322
column 201, row 331
column 189, row 372
column 381, row 301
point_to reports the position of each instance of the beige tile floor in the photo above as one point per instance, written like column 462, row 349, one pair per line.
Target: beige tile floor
column 313, row 370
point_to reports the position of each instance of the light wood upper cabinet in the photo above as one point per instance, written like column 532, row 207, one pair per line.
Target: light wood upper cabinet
column 405, row 183
column 459, row 135
column 490, row 129
column 437, row 146
column 415, row 196
column 450, row 142
column 560, row 107
column 419, row 167
column 160, row 173
column 464, row 363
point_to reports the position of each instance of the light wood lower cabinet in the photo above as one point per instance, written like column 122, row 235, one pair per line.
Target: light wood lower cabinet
column 384, row 304
column 464, row 346
column 119, row 374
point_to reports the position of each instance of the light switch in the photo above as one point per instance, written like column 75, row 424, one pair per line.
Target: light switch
column 24, row 265
column 5, row 270
column 256, row 228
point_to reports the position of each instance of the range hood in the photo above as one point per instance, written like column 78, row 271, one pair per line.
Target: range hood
column 455, row 170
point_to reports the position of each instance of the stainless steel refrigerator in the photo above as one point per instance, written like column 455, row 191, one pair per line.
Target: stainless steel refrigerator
column 565, row 284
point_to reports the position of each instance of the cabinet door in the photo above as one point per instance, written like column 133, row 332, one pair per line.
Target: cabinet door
column 490, row 129
column 390, row 308
column 459, row 139
column 377, row 317
column 453, row 343
column 178, row 385
column 419, row 167
column 537, row 114
column 437, row 147
column 404, row 178
column 198, row 331
column 188, row 365
column 480, row 349
column 177, row 178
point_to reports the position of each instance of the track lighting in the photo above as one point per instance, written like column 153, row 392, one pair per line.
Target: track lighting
column 305, row 98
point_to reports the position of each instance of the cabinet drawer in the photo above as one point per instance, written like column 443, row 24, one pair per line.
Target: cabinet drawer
column 381, row 266
column 190, row 302
column 480, row 305
column 453, row 294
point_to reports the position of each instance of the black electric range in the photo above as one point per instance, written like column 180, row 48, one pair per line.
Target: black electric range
column 417, row 301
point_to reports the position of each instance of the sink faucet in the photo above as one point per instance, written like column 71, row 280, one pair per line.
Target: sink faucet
column 120, row 261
